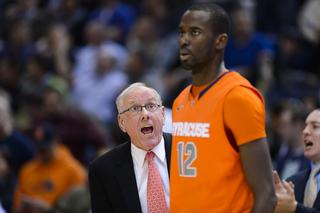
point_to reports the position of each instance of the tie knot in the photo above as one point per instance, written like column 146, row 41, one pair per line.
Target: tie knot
column 149, row 156
column 315, row 171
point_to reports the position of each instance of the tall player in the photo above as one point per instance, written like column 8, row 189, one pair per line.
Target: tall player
column 220, row 158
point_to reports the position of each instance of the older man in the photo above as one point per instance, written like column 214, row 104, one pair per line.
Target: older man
column 122, row 179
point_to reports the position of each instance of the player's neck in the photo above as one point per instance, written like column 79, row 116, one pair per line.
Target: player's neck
column 207, row 74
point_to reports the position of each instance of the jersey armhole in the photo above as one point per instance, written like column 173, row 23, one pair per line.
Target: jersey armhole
column 230, row 137
column 229, row 133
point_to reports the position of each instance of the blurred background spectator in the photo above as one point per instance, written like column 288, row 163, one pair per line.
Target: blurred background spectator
column 82, row 134
column 95, row 90
column 56, row 45
column 65, row 61
column 117, row 15
column 95, row 34
column 249, row 51
column 51, row 174
column 18, row 44
column 28, row 11
column 72, row 14
column 38, row 77
column 15, row 150
column 10, row 81
column 290, row 157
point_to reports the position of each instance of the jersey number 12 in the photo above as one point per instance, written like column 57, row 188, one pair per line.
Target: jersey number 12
column 189, row 150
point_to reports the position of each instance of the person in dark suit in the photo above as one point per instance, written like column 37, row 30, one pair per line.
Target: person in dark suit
column 118, row 178
column 292, row 194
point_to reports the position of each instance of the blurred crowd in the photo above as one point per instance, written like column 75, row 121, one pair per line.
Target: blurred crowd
column 63, row 63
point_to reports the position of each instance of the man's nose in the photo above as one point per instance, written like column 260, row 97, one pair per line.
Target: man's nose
column 184, row 40
column 145, row 114
column 305, row 130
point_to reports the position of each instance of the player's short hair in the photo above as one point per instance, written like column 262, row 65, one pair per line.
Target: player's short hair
column 219, row 18
column 119, row 101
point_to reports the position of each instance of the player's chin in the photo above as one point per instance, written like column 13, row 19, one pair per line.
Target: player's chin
column 186, row 65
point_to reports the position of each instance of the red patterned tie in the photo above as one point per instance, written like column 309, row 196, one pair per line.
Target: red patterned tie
column 155, row 192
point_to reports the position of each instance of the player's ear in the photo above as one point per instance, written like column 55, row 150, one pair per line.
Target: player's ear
column 221, row 41
column 121, row 123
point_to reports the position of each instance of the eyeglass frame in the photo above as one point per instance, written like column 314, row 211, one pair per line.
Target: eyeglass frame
column 145, row 106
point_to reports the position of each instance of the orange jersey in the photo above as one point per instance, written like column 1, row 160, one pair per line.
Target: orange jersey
column 206, row 173
column 49, row 181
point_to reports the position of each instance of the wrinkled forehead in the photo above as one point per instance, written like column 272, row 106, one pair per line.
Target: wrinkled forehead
column 140, row 95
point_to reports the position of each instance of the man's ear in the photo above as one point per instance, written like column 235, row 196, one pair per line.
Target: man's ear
column 121, row 123
column 221, row 41
column 163, row 112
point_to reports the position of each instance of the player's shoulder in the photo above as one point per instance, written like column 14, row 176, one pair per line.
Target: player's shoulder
column 185, row 91
column 244, row 92
column 184, row 94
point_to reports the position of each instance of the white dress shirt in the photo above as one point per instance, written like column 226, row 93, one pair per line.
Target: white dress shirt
column 141, row 171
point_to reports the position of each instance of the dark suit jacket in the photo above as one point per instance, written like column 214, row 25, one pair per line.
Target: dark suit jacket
column 300, row 180
column 112, row 180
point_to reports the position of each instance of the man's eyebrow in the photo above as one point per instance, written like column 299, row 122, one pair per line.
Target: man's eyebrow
column 315, row 122
column 195, row 28
column 312, row 122
column 191, row 28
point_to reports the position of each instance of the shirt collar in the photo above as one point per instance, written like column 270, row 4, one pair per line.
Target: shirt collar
column 139, row 154
column 312, row 167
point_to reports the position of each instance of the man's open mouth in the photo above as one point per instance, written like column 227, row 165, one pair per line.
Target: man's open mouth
column 147, row 130
column 308, row 144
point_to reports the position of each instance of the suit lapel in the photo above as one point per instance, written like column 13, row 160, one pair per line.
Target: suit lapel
column 300, row 185
column 167, row 145
column 126, row 176
column 127, row 181
column 316, row 204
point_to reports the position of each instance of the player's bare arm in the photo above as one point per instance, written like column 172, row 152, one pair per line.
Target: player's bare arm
column 257, row 169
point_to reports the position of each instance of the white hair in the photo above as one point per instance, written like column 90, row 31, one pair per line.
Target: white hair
column 119, row 101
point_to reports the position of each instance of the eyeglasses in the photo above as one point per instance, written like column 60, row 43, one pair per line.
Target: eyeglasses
column 138, row 109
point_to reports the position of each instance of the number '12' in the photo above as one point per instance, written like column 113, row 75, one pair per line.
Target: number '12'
column 184, row 166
